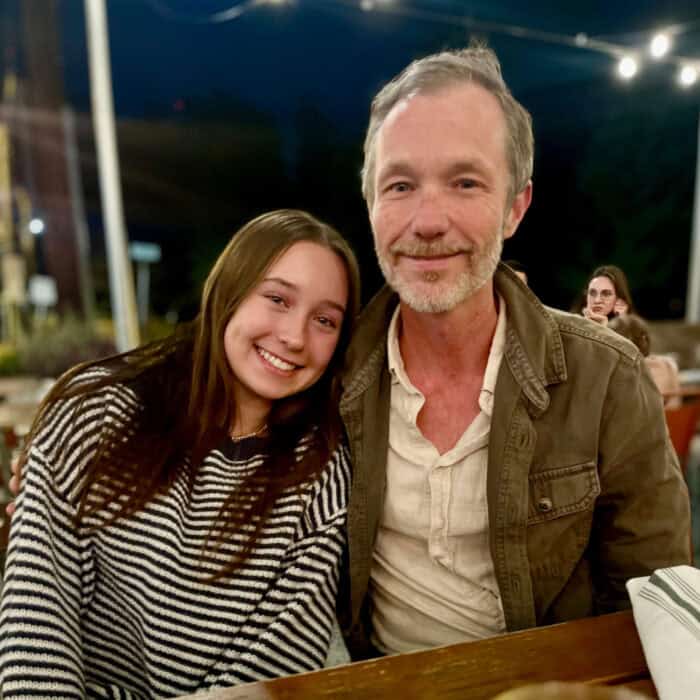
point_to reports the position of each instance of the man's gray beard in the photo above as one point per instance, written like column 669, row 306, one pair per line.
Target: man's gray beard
column 442, row 297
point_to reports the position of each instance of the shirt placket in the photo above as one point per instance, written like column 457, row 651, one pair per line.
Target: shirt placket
column 439, row 486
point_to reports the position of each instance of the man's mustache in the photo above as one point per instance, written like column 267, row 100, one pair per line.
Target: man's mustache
column 422, row 249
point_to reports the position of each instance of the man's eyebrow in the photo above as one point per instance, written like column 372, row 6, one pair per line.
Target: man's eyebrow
column 393, row 167
column 294, row 287
column 400, row 167
column 465, row 166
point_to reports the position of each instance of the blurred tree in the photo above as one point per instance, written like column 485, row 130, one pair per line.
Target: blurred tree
column 50, row 187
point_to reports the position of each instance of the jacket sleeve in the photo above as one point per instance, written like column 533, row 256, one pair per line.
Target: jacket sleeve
column 40, row 637
column 642, row 517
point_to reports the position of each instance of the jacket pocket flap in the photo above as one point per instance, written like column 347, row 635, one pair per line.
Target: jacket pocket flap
column 558, row 492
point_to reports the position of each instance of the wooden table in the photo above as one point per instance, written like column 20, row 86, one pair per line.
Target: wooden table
column 602, row 650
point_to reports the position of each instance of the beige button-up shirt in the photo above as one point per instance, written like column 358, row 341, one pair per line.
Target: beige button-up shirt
column 432, row 578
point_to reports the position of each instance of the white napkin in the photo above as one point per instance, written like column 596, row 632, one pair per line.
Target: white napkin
column 666, row 607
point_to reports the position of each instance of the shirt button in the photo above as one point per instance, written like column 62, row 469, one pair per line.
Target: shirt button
column 544, row 505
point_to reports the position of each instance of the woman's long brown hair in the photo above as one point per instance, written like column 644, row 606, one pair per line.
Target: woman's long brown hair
column 185, row 389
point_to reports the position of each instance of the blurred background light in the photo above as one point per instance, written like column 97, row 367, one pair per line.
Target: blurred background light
column 627, row 67
column 688, row 76
column 660, row 45
column 36, row 226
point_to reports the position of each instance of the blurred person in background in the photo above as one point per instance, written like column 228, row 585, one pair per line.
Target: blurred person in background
column 663, row 369
column 607, row 295
column 182, row 512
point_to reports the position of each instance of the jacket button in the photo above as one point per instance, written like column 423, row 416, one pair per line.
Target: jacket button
column 544, row 505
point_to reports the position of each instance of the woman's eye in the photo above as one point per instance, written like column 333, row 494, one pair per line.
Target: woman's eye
column 276, row 299
column 327, row 322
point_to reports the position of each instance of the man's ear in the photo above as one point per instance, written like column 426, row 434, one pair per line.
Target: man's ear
column 520, row 204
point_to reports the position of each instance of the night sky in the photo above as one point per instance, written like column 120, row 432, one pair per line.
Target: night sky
column 333, row 52
column 614, row 162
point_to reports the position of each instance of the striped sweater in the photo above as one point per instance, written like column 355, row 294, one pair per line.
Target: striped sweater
column 123, row 611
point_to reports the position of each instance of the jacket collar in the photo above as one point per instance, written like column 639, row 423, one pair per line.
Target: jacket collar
column 366, row 354
column 534, row 351
column 534, row 348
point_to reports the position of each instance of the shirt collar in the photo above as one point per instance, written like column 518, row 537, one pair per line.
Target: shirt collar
column 493, row 364
column 394, row 359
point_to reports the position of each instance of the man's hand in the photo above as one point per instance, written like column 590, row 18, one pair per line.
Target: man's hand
column 593, row 316
column 13, row 485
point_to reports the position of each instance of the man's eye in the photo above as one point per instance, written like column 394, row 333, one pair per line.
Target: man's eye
column 466, row 183
column 398, row 187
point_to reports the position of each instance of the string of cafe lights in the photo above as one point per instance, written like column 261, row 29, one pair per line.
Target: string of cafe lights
column 629, row 61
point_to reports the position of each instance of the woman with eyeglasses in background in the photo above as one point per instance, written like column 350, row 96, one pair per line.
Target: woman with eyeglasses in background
column 607, row 295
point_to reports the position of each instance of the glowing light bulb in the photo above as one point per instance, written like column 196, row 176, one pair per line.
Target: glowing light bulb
column 660, row 44
column 627, row 67
column 36, row 226
column 688, row 76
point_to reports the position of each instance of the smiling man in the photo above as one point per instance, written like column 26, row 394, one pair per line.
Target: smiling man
column 512, row 466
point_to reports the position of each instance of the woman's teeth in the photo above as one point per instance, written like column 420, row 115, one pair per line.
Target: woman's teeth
column 275, row 361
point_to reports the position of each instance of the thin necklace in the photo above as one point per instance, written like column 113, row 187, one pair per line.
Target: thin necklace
column 255, row 433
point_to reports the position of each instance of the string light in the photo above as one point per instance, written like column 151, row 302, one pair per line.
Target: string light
column 234, row 11
column 369, row 5
column 629, row 63
column 627, row 67
column 660, row 45
column 687, row 76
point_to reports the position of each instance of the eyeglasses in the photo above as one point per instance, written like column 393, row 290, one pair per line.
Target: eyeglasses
column 603, row 294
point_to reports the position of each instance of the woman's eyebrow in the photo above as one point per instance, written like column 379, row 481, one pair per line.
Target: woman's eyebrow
column 282, row 281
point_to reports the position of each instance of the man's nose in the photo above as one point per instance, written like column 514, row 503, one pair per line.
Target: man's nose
column 430, row 219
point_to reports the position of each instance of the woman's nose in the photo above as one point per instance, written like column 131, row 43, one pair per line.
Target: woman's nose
column 292, row 333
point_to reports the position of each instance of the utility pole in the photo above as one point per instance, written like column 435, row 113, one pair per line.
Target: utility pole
column 121, row 281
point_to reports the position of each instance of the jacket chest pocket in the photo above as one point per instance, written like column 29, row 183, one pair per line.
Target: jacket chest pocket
column 558, row 492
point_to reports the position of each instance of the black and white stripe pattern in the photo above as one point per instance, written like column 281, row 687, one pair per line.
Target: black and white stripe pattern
column 124, row 611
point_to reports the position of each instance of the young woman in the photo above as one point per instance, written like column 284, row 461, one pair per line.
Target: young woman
column 181, row 519
column 607, row 294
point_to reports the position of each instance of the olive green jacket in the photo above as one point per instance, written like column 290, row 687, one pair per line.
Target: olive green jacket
column 584, row 489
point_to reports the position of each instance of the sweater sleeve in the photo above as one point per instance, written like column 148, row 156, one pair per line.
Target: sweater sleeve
column 290, row 631
column 50, row 570
column 40, row 639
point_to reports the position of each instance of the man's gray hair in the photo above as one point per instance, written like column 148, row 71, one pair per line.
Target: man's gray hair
column 476, row 64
